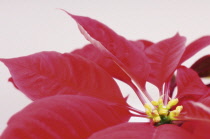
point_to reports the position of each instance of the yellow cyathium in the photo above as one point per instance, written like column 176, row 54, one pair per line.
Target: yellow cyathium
column 162, row 114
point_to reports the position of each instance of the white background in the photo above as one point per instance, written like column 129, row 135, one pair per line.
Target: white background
column 27, row 27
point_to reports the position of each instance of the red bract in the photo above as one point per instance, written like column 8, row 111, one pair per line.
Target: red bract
column 64, row 117
column 129, row 56
column 142, row 131
column 94, row 54
column 164, row 57
column 51, row 73
column 75, row 95
column 189, row 83
column 194, row 47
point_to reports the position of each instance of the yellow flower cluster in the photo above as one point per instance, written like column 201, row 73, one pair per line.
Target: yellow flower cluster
column 161, row 113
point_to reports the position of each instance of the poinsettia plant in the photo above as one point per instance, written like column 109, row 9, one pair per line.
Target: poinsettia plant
column 75, row 95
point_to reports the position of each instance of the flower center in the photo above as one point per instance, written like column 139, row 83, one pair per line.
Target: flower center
column 162, row 114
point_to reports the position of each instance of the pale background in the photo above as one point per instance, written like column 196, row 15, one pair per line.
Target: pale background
column 27, row 27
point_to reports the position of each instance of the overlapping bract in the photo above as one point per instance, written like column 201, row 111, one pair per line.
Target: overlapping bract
column 75, row 95
column 64, row 117
column 50, row 73
column 142, row 131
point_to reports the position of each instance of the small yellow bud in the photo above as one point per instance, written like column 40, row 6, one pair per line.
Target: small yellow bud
column 163, row 111
column 156, row 119
column 179, row 109
column 173, row 114
column 148, row 113
column 172, row 103
column 155, row 113
column 155, row 103
column 148, row 107
column 160, row 101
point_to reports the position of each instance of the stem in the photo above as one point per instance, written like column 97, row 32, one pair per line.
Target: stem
column 126, row 70
column 166, row 92
column 143, row 116
column 161, row 91
column 138, row 93
column 137, row 111
column 147, row 95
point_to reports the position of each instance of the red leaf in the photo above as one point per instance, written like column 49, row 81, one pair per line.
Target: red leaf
column 51, row 73
column 202, row 66
column 200, row 130
column 64, row 117
column 195, row 47
column 189, row 83
column 199, row 111
column 188, row 97
column 125, row 53
column 94, row 54
column 195, row 111
column 164, row 58
column 142, row 131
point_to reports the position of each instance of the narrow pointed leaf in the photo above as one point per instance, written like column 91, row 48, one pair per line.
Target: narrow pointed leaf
column 64, row 117
column 142, row 131
column 189, row 83
column 164, row 58
column 202, row 66
column 129, row 56
column 51, row 73
column 195, row 47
